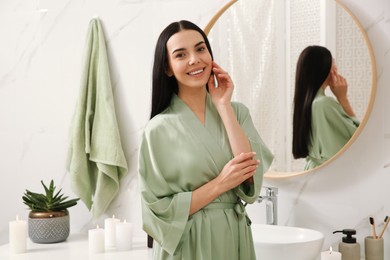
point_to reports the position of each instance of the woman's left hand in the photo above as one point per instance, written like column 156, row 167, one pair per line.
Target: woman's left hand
column 223, row 93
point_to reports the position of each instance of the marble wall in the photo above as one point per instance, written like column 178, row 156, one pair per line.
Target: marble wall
column 41, row 61
column 40, row 65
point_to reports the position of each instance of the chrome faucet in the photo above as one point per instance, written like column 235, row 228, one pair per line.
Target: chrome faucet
column 271, row 204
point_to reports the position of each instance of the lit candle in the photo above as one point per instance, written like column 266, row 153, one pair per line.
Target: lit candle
column 330, row 255
column 110, row 231
column 18, row 236
column 123, row 236
column 96, row 240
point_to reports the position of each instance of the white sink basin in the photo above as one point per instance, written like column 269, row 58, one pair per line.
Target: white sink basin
column 286, row 243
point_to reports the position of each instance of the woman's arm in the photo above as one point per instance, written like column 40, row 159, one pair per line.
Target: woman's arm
column 238, row 140
column 236, row 171
column 221, row 98
column 344, row 102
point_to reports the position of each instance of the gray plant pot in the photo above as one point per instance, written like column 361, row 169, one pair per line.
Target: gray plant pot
column 48, row 227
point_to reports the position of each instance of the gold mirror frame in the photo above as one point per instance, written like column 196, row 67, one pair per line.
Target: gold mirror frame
column 279, row 175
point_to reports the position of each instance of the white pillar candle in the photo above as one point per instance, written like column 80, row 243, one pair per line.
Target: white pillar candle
column 96, row 240
column 18, row 236
column 123, row 236
column 330, row 255
column 110, row 231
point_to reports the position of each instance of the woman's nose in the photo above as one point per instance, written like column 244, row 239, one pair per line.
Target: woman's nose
column 193, row 59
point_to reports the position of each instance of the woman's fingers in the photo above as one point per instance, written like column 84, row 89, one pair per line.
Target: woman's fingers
column 216, row 66
column 244, row 156
column 342, row 80
column 239, row 169
column 223, row 77
column 334, row 77
column 245, row 162
column 218, row 70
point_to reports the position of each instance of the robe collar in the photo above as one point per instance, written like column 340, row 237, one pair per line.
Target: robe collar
column 212, row 134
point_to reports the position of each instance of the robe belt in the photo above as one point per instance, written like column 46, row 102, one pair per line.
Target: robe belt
column 238, row 207
column 244, row 230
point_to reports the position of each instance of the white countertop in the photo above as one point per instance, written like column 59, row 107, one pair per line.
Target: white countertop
column 74, row 248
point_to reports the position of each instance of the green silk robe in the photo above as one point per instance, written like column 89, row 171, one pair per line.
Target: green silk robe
column 179, row 154
column 331, row 129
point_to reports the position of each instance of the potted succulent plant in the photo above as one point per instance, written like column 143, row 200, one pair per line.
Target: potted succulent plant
column 48, row 220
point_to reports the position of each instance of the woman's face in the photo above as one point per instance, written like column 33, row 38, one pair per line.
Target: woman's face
column 189, row 59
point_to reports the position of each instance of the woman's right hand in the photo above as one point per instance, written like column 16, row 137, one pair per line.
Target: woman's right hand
column 237, row 170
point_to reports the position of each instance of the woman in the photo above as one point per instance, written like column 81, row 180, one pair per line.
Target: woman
column 200, row 155
column 321, row 125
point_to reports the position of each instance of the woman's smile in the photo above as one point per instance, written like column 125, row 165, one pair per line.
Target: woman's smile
column 197, row 72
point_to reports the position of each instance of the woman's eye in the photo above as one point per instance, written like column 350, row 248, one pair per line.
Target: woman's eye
column 201, row 48
column 180, row 55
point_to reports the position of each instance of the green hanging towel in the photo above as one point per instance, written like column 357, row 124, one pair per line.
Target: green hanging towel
column 96, row 161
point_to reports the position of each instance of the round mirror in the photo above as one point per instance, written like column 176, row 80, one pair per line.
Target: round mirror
column 259, row 42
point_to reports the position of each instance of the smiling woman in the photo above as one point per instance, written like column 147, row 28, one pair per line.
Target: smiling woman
column 259, row 42
column 199, row 156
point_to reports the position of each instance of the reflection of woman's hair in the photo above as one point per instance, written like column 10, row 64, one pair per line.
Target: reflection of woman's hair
column 313, row 68
column 163, row 86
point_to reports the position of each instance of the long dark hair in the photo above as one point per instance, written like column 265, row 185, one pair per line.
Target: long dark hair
column 313, row 68
column 163, row 86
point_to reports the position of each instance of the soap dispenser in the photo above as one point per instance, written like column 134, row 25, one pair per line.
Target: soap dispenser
column 349, row 248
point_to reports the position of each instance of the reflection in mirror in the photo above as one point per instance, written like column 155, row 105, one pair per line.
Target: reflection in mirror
column 258, row 43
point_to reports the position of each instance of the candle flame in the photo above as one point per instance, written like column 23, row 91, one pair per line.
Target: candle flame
column 330, row 250
column 17, row 217
column 97, row 226
column 113, row 216
column 124, row 221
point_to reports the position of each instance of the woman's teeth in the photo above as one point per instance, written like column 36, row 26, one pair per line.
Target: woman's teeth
column 196, row 72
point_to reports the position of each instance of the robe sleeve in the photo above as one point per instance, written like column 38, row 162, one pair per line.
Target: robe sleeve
column 250, row 193
column 165, row 212
column 332, row 127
